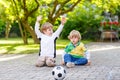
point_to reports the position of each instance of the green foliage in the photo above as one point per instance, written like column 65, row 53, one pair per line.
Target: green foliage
column 107, row 5
column 70, row 25
column 1, row 24
column 86, row 19
column 2, row 20
column 15, row 30
column 2, row 27
column 118, row 12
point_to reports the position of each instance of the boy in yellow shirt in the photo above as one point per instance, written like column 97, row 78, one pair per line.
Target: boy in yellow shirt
column 75, row 51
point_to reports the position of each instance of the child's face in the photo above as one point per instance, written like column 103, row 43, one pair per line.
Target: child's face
column 48, row 31
column 74, row 40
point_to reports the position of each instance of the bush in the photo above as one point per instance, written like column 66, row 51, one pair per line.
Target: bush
column 85, row 18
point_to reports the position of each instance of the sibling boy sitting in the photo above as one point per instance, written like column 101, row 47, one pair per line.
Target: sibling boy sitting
column 75, row 51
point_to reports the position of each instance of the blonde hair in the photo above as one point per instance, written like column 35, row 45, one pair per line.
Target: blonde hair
column 74, row 33
column 46, row 26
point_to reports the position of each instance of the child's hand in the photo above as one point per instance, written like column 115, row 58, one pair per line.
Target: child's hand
column 63, row 20
column 39, row 18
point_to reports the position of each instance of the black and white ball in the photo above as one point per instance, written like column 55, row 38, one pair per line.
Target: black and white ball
column 59, row 73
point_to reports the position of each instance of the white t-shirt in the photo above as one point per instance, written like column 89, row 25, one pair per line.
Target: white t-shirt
column 47, row 42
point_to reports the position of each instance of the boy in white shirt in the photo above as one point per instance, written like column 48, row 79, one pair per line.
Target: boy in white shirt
column 47, row 42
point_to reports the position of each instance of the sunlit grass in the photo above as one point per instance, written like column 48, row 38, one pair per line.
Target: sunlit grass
column 16, row 46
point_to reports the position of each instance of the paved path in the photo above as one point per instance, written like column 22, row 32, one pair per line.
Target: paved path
column 105, row 65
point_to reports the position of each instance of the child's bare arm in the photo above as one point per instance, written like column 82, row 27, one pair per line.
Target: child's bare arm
column 58, row 31
column 39, row 18
column 37, row 24
column 63, row 20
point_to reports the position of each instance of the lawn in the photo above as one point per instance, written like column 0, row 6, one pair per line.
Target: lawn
column 16, row 46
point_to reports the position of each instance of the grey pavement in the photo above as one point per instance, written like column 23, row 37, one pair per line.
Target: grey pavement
column 105, row 58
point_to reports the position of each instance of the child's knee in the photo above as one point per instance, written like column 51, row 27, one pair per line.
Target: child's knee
column 41, row 58
column 66, row 55
column 40, row 62
column 50, row 62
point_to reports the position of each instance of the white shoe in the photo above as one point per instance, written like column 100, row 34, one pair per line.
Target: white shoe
column 70, row 64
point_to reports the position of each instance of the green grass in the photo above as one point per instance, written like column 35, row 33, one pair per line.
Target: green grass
column 16, row 46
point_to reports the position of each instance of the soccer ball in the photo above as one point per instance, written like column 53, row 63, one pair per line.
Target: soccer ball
column 59, row 73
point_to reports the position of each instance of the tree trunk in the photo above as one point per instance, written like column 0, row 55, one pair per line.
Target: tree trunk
column 31, row 31
column 23, row 33
column 25, row 36
column 7, row 31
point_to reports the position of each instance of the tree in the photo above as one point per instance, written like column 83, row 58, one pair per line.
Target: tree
column 23, row 21
column 4, row 19
column 22, row 10
column 87, row 17
column 107, row 5
column 59, row 8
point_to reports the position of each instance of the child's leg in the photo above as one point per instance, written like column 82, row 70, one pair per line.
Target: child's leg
column 50, row 61
column 67, row 58
column 81, row 61
column 40, row 62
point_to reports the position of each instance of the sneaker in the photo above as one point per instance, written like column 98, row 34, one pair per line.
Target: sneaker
column 70, row 65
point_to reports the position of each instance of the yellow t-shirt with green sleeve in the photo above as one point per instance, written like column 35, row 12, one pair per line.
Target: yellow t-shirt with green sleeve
column 77, row 51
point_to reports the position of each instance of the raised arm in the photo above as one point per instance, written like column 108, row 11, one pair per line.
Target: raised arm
column 37, row 24
column 59, row 30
